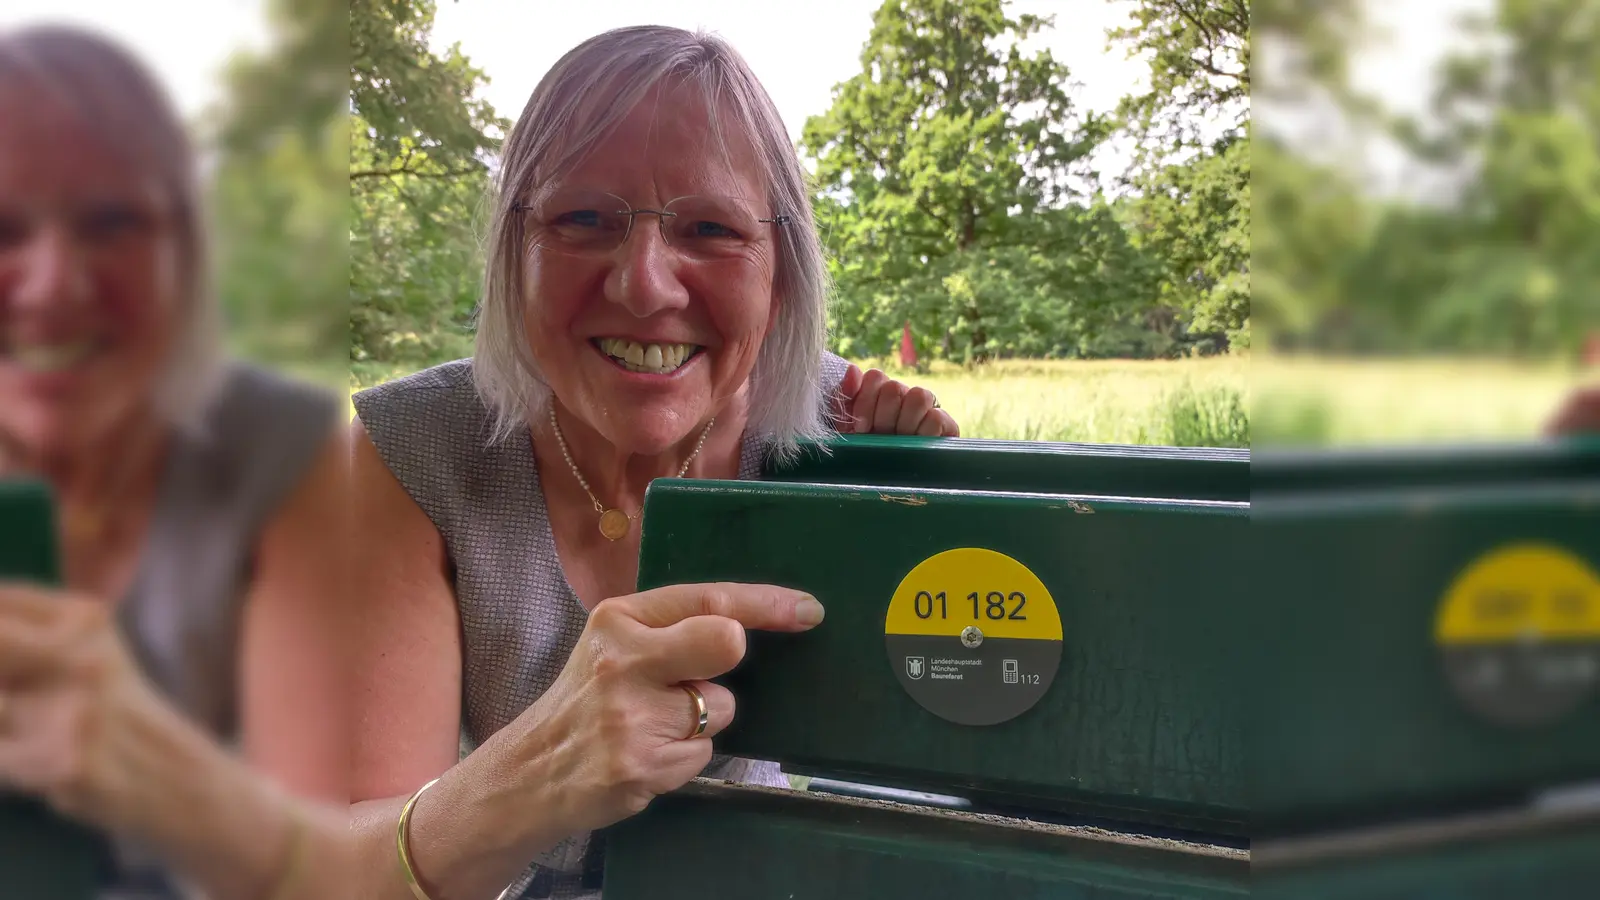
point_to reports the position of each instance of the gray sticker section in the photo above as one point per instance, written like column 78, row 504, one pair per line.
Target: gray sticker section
column 999, row 680
column 1523, row 684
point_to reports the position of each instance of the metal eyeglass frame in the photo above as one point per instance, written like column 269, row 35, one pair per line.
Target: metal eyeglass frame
column 661, row 215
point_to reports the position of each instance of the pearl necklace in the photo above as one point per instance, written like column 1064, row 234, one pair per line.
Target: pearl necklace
column 614, row 523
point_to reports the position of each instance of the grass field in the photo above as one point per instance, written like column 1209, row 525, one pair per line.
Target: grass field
column 1344, row 403
column 1198, row 402
column 1228, row 401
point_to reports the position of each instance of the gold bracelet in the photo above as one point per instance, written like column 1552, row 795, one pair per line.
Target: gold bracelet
column 403, row 838
column 299, row 844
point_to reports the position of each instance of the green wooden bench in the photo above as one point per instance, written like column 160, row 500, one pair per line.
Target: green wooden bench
column 1244, row 661
column 1310, row 675
column 1430, row 674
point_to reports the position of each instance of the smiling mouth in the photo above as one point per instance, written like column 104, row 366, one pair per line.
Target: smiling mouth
column 651, row 359
column 49, row 358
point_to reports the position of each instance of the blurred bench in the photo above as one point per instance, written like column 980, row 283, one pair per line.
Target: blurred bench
column 42, row 857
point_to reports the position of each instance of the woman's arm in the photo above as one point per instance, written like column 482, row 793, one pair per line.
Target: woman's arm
column 611, row 732
column 84, row 730
column 404, row 653
column 403, row 644
column 294, row 684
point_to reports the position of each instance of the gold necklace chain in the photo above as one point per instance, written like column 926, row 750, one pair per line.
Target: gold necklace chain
column 614, row 523
column 91, row 525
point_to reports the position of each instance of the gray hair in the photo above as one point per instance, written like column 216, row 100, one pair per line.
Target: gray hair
column 115, row 96
column 577, row 104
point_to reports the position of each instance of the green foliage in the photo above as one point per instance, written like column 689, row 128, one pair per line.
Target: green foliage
column 1209, row 418
column 934, row 167
column 418, row 172
column 1199, row 52
column 956, row 195
column 277, row 194
column 1508, row 265
column 1195, row 219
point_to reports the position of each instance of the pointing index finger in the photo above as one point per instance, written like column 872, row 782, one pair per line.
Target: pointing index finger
column 761, row 606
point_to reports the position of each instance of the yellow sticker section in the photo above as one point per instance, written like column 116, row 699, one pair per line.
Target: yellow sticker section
column 949, row 591
column 1519, row 592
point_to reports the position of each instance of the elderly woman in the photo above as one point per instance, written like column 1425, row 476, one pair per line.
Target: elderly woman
column 191, row 492
column 653, row 306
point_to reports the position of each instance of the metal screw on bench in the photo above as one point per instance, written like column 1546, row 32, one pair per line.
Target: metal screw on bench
column 971, row 637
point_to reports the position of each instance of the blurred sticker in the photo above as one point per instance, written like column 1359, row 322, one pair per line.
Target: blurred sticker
column 973, row 636
column 1519, row 635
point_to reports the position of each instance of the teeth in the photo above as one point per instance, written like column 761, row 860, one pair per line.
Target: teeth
column 51, row 357
column 655, row 358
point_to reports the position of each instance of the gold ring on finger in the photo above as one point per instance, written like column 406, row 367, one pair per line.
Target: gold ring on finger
column 702, row 715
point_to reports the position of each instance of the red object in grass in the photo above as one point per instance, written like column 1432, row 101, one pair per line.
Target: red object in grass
column 1591, row 350
column 908, row 351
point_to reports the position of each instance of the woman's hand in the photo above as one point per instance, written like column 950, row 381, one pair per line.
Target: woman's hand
column 874, row 403
column 1580, row 414
column 82, row 729
column 615, row 729
column 70, row 697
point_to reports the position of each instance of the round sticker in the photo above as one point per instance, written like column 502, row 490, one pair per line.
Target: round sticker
column 1519, row 634
column 973, row 636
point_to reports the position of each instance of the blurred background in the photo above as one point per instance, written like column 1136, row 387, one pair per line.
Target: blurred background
column 1058, row 248
column 264, row 85
column 1426, row 217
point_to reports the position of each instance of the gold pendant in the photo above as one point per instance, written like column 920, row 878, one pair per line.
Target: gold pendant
column 614, row 524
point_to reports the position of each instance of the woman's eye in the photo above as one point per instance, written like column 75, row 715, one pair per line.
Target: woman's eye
column 13, row 231
column 709, row 229
column 583, row 218
column 111, row 222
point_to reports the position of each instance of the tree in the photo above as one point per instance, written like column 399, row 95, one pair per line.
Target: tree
column 947, row 142
column 1199, row 64
column 420, row 148
column 1195, row 218
column 278, row 193
column 1194, row 209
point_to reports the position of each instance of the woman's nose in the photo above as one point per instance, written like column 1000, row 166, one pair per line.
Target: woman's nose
column 54, row 271
column 645, row 278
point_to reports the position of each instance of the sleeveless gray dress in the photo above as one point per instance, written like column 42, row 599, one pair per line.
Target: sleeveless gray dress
column 181, row 615
column 520, row 619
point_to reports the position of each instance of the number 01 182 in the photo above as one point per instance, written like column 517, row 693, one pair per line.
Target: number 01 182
column 993, row 605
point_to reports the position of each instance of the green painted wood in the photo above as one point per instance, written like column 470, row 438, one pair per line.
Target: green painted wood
column 1549, row 855
column 42, row 856
column 27, row 533
column 1176, row 472
column 1143, row 722
column 1024, row 466
column 1411, row 467
column 715, row 840
column 1351, row 716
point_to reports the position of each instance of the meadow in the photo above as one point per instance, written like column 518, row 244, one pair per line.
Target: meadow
column 1323, row 402
column 1231, row 401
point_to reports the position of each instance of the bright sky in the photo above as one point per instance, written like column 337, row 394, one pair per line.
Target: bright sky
column 798, row 52
column 186, row 42
column 1396, row 66
column 798, row 56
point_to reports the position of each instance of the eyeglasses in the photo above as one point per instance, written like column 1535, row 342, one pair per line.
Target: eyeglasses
column 595, row 223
